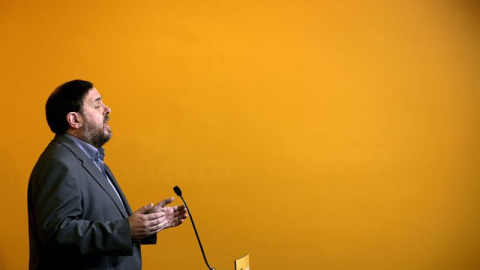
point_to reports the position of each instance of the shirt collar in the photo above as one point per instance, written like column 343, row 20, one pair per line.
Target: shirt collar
column 92, row 152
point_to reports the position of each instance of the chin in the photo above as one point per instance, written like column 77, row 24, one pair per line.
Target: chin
column 107, row 133
column 107, row 136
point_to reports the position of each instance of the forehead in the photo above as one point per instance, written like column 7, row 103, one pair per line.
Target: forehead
column 92, row 95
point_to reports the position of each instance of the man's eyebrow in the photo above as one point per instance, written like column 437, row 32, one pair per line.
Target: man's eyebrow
column 98, row 99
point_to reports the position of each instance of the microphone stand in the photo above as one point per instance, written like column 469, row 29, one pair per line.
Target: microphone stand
column 195, row 229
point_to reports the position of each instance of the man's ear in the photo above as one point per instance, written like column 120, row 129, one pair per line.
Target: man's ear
column 74, row 120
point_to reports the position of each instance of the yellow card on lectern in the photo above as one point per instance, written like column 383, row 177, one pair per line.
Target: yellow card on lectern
column 243, row 263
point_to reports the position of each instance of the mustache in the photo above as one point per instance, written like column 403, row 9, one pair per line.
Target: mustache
column 106, row 118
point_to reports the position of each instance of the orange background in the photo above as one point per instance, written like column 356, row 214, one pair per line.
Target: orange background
column 310, row 134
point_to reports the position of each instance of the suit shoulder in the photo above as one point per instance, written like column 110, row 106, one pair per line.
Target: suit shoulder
column 56, row 157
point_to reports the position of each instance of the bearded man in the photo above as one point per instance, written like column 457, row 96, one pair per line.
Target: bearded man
column 78, row 215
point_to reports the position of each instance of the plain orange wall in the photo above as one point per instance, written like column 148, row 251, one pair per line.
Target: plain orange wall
column 311, row 134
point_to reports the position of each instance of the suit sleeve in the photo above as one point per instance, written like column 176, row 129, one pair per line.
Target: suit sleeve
column 150, row 240
column 57, row 203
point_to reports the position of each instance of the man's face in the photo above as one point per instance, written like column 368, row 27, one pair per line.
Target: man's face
column 95, row 129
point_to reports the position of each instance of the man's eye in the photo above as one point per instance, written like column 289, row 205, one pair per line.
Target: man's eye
column 97, row 107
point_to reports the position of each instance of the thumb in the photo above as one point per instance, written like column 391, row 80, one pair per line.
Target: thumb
column 166, row 201
column 144, row 209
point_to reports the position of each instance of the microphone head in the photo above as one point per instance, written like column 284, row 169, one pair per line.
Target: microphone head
column 178, row 191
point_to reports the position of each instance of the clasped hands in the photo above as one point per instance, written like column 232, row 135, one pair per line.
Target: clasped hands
column 151, row 219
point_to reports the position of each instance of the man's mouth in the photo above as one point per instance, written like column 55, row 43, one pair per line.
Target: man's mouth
column 105, row 121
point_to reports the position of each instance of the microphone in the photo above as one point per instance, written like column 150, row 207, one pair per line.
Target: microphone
column 178, row 191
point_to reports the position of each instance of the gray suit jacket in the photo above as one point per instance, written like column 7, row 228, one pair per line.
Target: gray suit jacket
column 76, row 220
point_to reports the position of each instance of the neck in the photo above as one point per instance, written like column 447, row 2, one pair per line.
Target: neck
column 75, row 133
column 79, row 135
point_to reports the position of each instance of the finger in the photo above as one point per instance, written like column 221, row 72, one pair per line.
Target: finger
column 177, row 222
column 154, row 216
column 152, row 225
column 144, row 209
column 181, row 214
column 180, row 211
column 160, row 227
column 166, row 201
column 178, row 207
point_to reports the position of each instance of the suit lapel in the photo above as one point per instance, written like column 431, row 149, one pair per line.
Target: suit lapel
column 120, row 192
column 103, row 182
column 95, row 172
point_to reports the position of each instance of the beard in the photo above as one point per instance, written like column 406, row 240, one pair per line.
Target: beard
column 96, row 136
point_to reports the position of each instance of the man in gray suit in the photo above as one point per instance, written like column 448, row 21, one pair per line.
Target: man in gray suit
column 78, row 215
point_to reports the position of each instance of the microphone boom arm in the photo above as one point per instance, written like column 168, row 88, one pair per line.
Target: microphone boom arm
column 195, row 229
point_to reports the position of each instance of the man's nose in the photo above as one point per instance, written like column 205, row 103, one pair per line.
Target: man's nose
column 107, row 109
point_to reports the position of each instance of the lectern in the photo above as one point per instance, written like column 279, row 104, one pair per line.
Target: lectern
column 243, row 263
